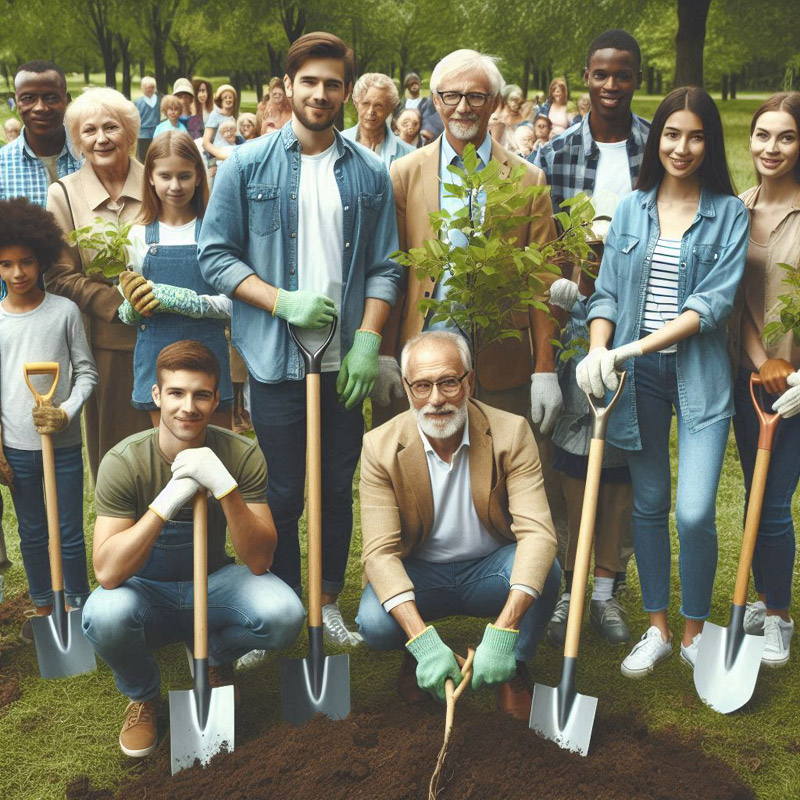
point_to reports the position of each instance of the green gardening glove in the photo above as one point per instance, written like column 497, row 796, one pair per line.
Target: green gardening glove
column 304, row 309
column 494, row 658
column 359, row 368
column 435, row 662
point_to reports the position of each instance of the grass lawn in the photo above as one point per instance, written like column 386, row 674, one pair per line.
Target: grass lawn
column 59, row 729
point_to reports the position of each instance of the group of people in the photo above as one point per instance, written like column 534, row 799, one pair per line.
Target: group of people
column 473, row 473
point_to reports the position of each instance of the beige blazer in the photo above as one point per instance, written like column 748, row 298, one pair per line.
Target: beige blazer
column 415, row 179
column 507, row 490
column 94, row 296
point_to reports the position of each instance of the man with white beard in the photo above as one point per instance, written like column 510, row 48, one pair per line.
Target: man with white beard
column 455, row 522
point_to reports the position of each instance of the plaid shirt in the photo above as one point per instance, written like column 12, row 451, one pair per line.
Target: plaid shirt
column 570, row 160
column 22, row 174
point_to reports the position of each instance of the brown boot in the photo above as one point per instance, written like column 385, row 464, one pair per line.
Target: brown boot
column 515, row 696
column 224, row 675
column 139, row 735
column 407, row 686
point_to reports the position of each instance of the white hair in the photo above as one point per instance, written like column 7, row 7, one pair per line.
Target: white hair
column 458, row 341
column 148, row 81
column 459, row 62
column 375, row 80
column 96, row 100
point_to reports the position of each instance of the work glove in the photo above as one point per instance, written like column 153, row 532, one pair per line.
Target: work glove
column 138, row 291
column 203, row 465
column 494, row 658
column 389, row 384
column 435, row 662
column 49, row 419
column 597, row 373
column 788, row 404
column 546, row 400
column 304, row 309
column 564, row 293
column 174, row 496
column 359, row 368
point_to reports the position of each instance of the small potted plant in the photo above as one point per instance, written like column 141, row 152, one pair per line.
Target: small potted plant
column 107, row 242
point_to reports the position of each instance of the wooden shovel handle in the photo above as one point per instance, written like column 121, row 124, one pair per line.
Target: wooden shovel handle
column 314, row 501
column 767, row 423
column 200, row 519
column 42, row 368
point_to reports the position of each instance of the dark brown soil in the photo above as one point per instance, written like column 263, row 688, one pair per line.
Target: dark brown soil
column 390, row 755
column 12, row 610
column 12, row 617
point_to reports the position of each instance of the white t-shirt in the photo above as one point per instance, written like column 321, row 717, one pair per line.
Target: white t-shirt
column 167, row 235
column 612, row 181
column 320, row 243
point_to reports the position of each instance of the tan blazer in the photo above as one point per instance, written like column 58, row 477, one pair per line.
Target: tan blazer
column 507, row 490
column 415, row 179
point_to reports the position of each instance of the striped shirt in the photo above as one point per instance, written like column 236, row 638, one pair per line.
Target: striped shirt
column 661, row 302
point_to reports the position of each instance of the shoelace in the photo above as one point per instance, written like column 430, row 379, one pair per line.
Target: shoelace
column 649, row 642
column 613, row 611
column 139, row 713
column 773, row 637
column 336, row 626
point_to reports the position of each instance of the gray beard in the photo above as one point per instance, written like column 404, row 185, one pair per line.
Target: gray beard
column 445, row 429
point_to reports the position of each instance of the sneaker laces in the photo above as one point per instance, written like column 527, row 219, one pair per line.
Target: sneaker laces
column 773, row 637
column 753, row 613
column 649, row 641
column 561, row 610
column 612, row 611
column 137, row 713
column 334, row 624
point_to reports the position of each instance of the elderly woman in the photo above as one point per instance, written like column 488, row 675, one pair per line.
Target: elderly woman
column 375, row 97
column 274, row 110
column 556, row 106
column 408, row 124
column 246, row 125
column 103, row 126
column 225, row 101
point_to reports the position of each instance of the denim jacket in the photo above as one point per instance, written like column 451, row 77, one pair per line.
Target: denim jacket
column 713, row 252
column 250, row 227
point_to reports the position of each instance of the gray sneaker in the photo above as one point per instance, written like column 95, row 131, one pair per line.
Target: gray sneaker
column 754, row 616
column 557, row 627
column 334, row 630
column 607, row 617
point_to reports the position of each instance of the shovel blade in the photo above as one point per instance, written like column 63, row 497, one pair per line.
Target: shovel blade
column 311, row 686
column 563, row 716
column 727, row 664
column 189, row 739
column 61, row 648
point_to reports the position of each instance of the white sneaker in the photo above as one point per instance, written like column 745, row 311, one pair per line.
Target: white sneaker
column 251, row 659
column 754, row 616
column 689, row 651
column 646, row 653
column 334, row 630
column 778, row 636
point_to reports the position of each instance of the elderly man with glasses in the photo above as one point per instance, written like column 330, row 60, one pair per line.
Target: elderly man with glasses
column 455, row 522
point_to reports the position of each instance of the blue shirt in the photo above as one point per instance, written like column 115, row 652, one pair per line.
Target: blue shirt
column 712, row 257
column 392, row 147
column 22, row 173
column 166, row 125
column 148, row 115
column 250, row 228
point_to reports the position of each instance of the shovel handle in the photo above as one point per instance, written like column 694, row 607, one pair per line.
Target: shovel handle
column 312, row 361
column 767, row 423
column 600, row 414
column 42, row 368
column 200, row 519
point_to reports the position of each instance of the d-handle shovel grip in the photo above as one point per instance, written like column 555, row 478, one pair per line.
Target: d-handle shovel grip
column 42, row 368
column 767, row 423
column 600, row 414
column 313, row 361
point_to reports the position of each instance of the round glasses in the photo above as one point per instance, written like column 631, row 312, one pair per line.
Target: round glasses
column 449, row 387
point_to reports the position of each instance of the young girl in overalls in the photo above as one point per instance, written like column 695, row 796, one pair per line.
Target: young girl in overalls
column 163, row 256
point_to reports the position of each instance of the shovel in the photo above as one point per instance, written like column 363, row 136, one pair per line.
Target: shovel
column 61, row 647
column 201, row 718
column 561, row 714
column 728, row 659
column 317, row 684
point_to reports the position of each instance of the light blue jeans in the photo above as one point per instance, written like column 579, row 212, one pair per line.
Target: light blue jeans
column 476, row 588
column 245, row 612
column 700, row 456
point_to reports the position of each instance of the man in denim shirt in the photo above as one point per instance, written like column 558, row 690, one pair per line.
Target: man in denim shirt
column 299, row 230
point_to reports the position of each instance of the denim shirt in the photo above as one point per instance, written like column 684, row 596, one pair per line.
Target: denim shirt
column 713, row 252
column 250, row 228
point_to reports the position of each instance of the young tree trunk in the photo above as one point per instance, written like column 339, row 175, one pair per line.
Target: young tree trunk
column 659, row 82
column 689, row 42
column 724, row 87
column 650, row 80
column 733, row 86
column 526, row 69
column 86, row 70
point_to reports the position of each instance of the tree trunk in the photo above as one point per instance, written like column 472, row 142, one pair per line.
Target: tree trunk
column 142, row 73
column 526, row 68
column 110, row 62
column 659, row 83
column 689, row 42
column 650, row 80
column 733, row 86
column 86, row 76
column 724, row 87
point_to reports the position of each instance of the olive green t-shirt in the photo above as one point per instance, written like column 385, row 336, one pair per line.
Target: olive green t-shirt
column 133, row 473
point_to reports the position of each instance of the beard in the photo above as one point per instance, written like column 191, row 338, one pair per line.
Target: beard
column 464, row 130
column 445, row 426
column 299, row 110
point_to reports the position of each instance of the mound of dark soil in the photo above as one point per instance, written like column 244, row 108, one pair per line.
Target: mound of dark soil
column 11, row 617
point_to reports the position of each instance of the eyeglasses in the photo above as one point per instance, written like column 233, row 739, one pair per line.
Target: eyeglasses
column 449, row 387
column 474, row 99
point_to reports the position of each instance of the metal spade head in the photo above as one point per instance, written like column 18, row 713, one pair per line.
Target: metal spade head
column 61, row 647
column 561, row 714
column 317, row 684
column 727, row 664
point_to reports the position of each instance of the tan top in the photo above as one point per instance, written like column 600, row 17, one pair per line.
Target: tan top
column 507, row 492
column 95, row 296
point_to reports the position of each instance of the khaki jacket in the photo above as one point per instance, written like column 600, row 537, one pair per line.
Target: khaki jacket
column 415, row 179
column 507, row 490
column 94, row 296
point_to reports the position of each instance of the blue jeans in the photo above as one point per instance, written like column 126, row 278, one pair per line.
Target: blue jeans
column 32, row 520
column 773, row 559
column 700, row 457
column 245, row 612
column 278, row 412
column 476, row 588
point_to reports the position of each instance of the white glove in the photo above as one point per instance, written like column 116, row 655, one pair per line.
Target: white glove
column 564, row 293
column 788, row 404
column 202, row 464
column 389, row 384
column 546, row 400
column 174, row 496
column 597, row 373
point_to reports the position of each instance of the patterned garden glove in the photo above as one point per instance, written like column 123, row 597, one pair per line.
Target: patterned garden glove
column 138, row 291
column 788, row 404
column 304, row 309
column 435, row 662
column 494, row 658
column 177, row 300
column 49, row 419
column 359, row 368
column 389, row 383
